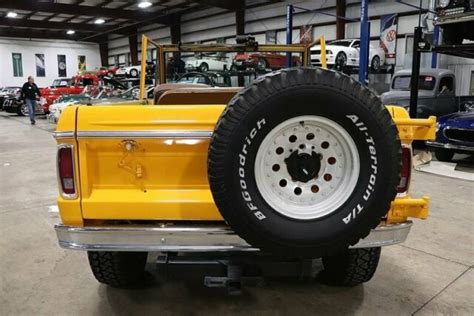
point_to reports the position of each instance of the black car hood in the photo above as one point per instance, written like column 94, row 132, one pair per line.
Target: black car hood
column 398, row 95
column 458, row 116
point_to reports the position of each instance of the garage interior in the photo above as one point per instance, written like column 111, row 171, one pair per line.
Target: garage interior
column 92, row 50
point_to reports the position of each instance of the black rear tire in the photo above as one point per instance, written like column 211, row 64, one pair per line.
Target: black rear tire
column 444, row 155
column 23, row 109
column 117, row 269
column 340, row 62
column 351, row 267
column 203, row 67
column 256, row 112
column 375, row 64
column 134, row 73
column 262, row 64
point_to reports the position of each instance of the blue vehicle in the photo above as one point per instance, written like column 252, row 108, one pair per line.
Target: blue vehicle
column 454, row 133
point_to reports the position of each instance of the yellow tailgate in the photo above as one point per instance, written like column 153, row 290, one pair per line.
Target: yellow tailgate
column 150, row 162
column 146, row 163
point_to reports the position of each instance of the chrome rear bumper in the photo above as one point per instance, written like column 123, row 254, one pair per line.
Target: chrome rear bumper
column 190, row 238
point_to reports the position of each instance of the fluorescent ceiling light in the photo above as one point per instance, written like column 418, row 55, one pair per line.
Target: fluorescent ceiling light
column 99, row 21
column 144, row 4
column 12, row 14
column 70, row 32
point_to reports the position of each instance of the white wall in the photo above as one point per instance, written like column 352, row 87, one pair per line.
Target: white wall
column 50, row 49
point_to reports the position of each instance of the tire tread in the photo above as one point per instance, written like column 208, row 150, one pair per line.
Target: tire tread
column 286, row 79
column 117, row 269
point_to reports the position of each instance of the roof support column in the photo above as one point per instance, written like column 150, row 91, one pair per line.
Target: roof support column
column 177, row 66
column 175, row 29
column 133, row 43
column 240, row 22
column 340, row 23
column 104, row 53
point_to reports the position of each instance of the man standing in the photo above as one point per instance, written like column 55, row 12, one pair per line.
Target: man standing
column 28, row 93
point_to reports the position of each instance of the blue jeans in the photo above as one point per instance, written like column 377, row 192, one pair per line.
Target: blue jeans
column 31, row 104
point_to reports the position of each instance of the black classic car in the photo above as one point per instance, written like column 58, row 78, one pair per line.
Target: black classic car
column 454, row 134
column 13, row 103
column 436, row 92
column 7, row 92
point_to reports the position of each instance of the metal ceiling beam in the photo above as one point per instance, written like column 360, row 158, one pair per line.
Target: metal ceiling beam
column 232, row 5
column 32, row 34
column 131, row 29
column 159, row 17
column 29, row 15
column 34, row 5
column 56, row 25
column 51, row 17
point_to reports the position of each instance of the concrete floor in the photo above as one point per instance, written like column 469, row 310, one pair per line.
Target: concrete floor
column 432, row 273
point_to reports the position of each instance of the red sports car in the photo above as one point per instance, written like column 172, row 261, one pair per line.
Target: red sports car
column 262, row 61
column 104, row 71
column 75, row 85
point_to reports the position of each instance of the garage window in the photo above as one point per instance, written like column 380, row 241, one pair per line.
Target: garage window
column 403, row 83
column 446, row 84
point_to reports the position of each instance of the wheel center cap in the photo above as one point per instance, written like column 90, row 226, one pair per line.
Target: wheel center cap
column 303, row 167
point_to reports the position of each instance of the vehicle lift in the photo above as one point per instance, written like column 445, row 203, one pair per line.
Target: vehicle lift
column 420, row 45
column 364, row 36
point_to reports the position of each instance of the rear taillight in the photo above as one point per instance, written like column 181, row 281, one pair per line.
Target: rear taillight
column 66, row 171
column 405, row 172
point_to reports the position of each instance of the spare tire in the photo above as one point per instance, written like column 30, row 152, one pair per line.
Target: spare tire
column 304, row 162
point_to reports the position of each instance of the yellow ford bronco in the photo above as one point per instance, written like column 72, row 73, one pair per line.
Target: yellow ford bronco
column 302, row 163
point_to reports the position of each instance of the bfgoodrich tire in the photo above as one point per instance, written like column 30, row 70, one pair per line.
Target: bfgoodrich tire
column 350, row 267
column 304, row 162
column 117, row 269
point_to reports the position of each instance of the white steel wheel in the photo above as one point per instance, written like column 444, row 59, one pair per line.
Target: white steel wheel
column 307, row 167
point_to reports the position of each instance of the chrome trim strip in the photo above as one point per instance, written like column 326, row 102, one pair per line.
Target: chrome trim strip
column 66, row 196
column 145, row 134
column 198, row 238
column 450, row 146
column 66, row 134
